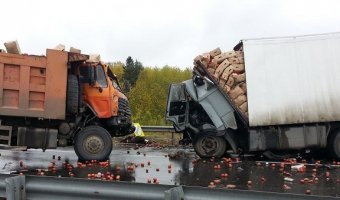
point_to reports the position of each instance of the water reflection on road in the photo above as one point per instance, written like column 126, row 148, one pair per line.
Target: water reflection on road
column 173, row 166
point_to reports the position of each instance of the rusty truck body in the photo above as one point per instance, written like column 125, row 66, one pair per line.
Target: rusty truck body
column 61, row 99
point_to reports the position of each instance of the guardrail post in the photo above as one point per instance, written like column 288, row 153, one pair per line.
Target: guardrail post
column 175, row 193
column 16, row 188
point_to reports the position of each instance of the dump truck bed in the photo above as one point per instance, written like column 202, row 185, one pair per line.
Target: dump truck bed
column 293, row 79
column 33, row 86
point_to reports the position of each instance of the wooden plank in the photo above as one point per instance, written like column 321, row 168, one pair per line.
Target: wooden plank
column 244, row 107
column 230, row 82
column 212, row 64
column 220, row 58
column 226, row 73
column 239, row 54
column 226, row 89
column 220, row 69
column 76, row 57
column 75, row 50
column 238, row 68
column 230, row 54
column 59, row 47
column 239, row 77
column 12, row 47
column 244, row 87
column 221, row 83
column 240, row 100
column 205, row 59
column 94, row 58
column 235, row 92
column 211, row 70
column 215, row 52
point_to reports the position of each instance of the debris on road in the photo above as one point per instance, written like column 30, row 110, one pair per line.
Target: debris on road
column 155, row 168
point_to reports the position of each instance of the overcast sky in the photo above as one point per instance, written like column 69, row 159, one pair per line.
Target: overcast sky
column 158, row 32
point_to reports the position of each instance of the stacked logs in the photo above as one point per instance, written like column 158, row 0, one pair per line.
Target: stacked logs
column 228, row 70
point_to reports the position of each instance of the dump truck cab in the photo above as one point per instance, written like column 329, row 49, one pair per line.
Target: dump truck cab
column 103, row 96
column 63, row 98
column 103, row 110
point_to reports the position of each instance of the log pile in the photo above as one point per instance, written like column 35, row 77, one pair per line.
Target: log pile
column 227, row 68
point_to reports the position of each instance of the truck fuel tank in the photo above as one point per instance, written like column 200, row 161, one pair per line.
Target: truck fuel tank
column 37, row 137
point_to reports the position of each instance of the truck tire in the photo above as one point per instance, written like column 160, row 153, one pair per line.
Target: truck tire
column 72, row 99
column 93, row 143
column 334, row 144
column 207, row 146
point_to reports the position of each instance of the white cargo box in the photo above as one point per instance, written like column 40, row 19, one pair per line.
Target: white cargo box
column 293, row 79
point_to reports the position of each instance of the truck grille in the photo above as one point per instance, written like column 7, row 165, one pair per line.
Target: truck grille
column 123, row 108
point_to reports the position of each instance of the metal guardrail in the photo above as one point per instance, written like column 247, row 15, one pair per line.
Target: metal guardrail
column 163, row 129
column 168, row 129
column 38, row 187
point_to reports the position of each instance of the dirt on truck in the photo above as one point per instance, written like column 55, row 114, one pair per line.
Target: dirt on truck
column 63, row 98
column 266, row 95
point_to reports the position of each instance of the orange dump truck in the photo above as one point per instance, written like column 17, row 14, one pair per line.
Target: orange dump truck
column 61, row 99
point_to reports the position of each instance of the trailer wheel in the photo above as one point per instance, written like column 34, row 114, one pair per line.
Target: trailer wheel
column 334, row 144
column 93, row 143
column 207, row 146
column 72, row 101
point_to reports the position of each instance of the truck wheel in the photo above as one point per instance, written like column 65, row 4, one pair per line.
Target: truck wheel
column 72, row 101
column 93, row 143
column 334, row 144
column 207, row 146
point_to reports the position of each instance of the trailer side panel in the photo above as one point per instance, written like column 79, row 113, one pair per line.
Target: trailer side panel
column 293, row 80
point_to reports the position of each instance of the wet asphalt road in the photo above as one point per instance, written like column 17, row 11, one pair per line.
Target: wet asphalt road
column 174, row 166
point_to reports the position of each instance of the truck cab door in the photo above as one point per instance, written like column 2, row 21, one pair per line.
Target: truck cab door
column 97, row 95
column 177, row 106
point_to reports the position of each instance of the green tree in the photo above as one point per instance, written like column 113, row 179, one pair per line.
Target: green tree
column 118, row 69
column 131, row 72
column 148, row 96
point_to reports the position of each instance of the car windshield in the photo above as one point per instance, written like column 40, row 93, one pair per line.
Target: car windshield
column 101, row 76
column 177, row 93
column 115, row 84
column 113, row 79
